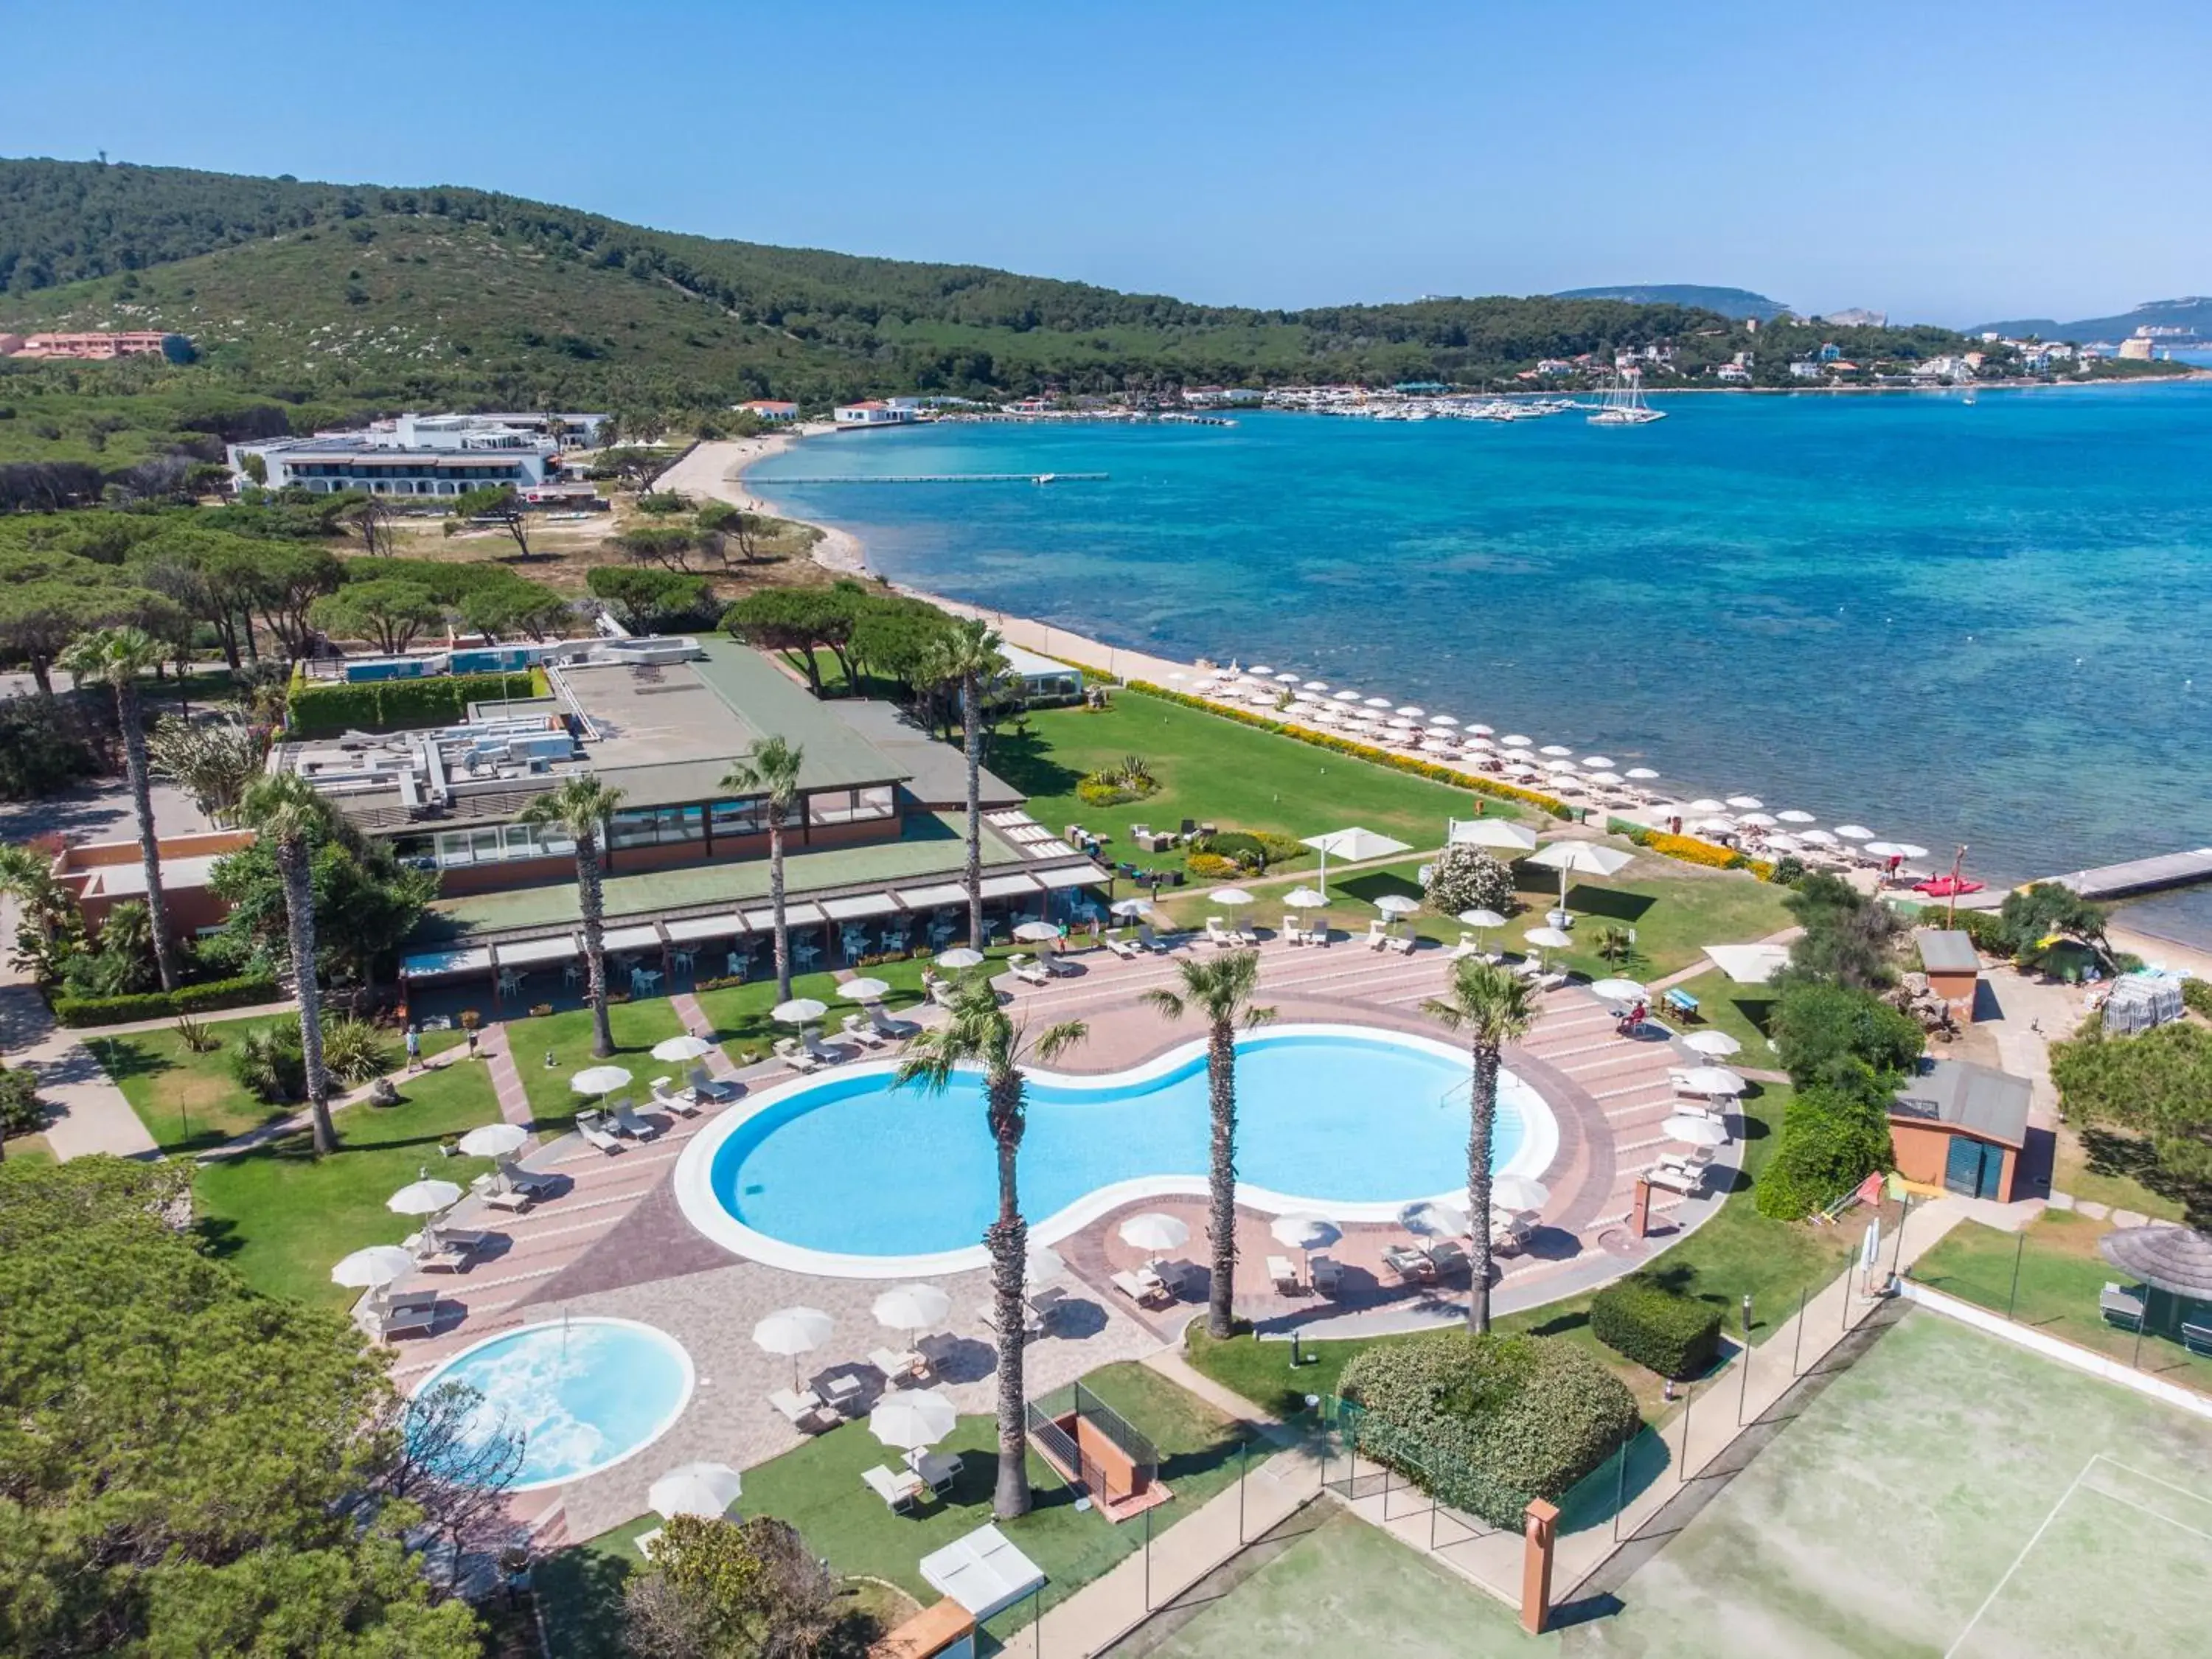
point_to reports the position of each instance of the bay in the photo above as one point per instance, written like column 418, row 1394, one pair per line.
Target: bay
column 1985, row 623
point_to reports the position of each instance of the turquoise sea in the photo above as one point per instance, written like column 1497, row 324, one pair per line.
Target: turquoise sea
column 1988, row 623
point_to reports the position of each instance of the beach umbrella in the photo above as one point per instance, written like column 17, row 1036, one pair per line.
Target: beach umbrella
column 1555, row 748
column 1885, row 849
column 1305, row 898
column 960, row 956
column 680, row 1048
column 1397, row 904
column 424, row 1197
column 706, row 1490
column 910, row 1307
column 1345, row 696
column 1306, row 696
column 1711, row 1080
column 1599, row 763
column 1854, row 832
column 2175, row 1260
column 863, row 990
column 1608, row 778
column 1229, row 896
column 1401, row 723
column 1315, row 685
column 1353, row 846
column 1817, row 837
column 1516, row 740
column 1305, row 1233
column 1036, row 932
column 1796, row 815
column 1494, row 832
column 1041, row 1266
column 1547, row 939
column 1581, row 858
column 1154, row 1232
column 799, row 1010
column 1912, row 851
column 910, row 1419
column 1759, row 820
column 1696, row 1131
column 793, row 1331
column 1778, row 843
column 379, row 1264
column 599, row 1081
column 1719, row 826
column 1329, row 715
column 1444, row 721
column 1640, row 773
column 1428, row 1219
column 1482, row 918
column 1481, row 731
column 494, row 1139
column 1378, row 702
column 1259, row 671
column 1619, row 990
column 1286, row 677
column 1713, row 1045
column 1412, row 711
column 1561, row 767
column 1705, row 803
column 1518, row 1193
column 1129, row 909
column 1436, row 744
column 1747, row 803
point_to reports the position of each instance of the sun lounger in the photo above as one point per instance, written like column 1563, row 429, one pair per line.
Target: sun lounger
column 1029, row 970
column 788, row 1051
column 1218, row 936
column 899, row 1368
column 1284, row 1275
column 683, row 1102
column 1379, row 934
column 891, row 1030
column 535, row 1182
column 597, row 1134
column 1045, row 1303
column 1327, row 1274
column 813, row 1044
column 407, row 1318
column 1245, row 935
column 1293, row 932
column 1408, row 1263
column 938, row 1470
column 1142, row 1288
column 437, row 1250
column 706, row 1086
column 1446, row 1256
column 1401, row 943
column 499, row 1195
column 1031, row 1324
column 1684, row 1182
column 629, row 1123
column 1127, row 949
column 858, row 1030
column 2120, row 1306
column 804, row 1411
column 900, row 1489
column 1507, row 1237
column 1550, row 979
column 1152, row 941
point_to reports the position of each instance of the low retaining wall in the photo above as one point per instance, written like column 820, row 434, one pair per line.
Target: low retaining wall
column 2052, row 1347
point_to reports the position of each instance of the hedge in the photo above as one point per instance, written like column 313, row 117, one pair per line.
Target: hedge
column 162, row 1005
column 1429, row 769
column 1689, row 849
column 1486, row 1422
column 320, row 710
column 1659, row 1329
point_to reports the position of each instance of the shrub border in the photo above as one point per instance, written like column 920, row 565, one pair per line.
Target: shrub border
column 81, row 1011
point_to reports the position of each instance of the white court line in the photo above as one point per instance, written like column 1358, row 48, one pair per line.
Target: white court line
column 2034, row 1538
column 2194, row 1532
column 2156, row 1481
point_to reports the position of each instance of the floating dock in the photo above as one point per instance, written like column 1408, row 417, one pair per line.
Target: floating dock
column 2149, row 875
column 944, row 477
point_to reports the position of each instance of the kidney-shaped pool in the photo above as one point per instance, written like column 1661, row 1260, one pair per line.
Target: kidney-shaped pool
column 849, row 1174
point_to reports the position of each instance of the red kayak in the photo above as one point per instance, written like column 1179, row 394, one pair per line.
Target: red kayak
column 1945, row 887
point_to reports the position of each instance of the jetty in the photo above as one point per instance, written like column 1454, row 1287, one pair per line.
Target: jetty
column 2149, row 875
column 944, row 477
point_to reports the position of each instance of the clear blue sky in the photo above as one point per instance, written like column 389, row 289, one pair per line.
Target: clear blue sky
column 1947, row 159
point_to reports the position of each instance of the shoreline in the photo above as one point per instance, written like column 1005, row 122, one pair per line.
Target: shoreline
column 844, row 553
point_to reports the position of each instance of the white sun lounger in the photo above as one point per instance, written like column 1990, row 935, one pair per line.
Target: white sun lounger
column 788, row 1051
column 631, row 1124
column 900, row 1489
column 1379, row 934
column 860, row 1030
column 804, row 1411
column 1029, row 970
column 682, row 1102
column 1219, row 936
column 1679, row 1180
column 1285, row 1276
column 1153, row 941
column 1293, row 933
column 706, row 1086
column 597, row 1134
column 1327, row 1274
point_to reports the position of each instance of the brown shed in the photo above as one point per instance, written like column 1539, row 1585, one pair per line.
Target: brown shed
column 1960, row 1127
column 1953, row 968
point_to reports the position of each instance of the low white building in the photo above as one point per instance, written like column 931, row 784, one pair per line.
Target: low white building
column 416, row 455
column 873, row 412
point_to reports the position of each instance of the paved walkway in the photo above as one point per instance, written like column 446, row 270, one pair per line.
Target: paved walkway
column 89, row 1112
column 506, row 1081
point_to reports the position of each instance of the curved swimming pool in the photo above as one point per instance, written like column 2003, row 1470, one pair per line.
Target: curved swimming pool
column 584, row 1394
column 850, row 1175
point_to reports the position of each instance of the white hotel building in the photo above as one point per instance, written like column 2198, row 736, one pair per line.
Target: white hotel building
column 418, row 455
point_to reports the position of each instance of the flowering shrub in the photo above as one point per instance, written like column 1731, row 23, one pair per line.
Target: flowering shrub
column 1468, row 878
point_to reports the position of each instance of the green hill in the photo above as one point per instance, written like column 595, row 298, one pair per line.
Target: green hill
column 1734, row 302
column 2193, row 314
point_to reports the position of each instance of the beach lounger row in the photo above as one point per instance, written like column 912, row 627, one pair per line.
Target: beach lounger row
column 1223, row 936
column 1295, row 932
column 1380, row 937
column 1145, row 943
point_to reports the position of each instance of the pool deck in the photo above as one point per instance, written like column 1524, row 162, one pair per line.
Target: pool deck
column 615, row 1241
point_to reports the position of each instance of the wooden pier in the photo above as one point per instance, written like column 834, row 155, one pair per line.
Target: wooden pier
column 944, row 477
column 2149, row 875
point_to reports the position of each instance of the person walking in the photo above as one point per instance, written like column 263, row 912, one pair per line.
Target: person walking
column 414, row 1047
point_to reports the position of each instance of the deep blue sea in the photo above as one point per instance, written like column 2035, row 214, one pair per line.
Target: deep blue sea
column 1987, row 622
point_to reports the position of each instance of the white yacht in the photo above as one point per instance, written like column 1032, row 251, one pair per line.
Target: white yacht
column 1623, row 403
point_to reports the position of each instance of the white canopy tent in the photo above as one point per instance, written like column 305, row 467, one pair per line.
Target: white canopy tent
column 1353, row 846
column 1749, row 965
column 1584, row 858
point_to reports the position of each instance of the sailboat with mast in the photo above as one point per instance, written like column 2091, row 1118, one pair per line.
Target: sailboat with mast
column 1623, row 403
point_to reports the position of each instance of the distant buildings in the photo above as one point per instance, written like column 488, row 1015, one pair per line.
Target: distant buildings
column 1807, row 368
column 422, row 454
column 1223, row 397
column 2136, row 348
column 770, row 409
column 1857, row 318
column 1733, row 374
column 92, row 347
column 874, row 411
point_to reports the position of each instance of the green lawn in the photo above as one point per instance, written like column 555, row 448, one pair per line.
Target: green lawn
column 2060, row 1275
column 186, row 1100
column 816, row 1487
column 282, row 1217
column 2111, row 1168
column 741, row 1013
column 27, row 1149
column 568, row 1037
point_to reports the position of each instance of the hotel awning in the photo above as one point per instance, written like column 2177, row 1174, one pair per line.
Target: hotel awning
column 633, row 939
column 803, row 914
column 928, row 898
column 691, row 929
column 1073, row 875
column 433, row 964
column 1009, row 886
column 852, row 908
column 522, row 952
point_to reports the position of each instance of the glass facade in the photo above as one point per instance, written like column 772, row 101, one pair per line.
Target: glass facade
column 658, row 826
column 850, row 805
column 499, row 843
column 738, row 817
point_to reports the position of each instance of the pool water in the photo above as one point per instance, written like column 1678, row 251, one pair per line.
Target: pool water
column 584, row 1394
column 1329, row 1118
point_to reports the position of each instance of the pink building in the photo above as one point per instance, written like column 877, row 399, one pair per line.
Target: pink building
column 91, row 346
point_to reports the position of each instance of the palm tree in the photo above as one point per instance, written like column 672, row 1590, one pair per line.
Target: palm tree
column 1221, row 988
column 771, row 770
column 120, row 656
column 1494, row 1006
column 968, row 653
column 285, row 810
column 982, row 1033
column 579, row 809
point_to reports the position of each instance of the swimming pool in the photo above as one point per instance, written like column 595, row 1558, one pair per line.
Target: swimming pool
column 848, row 1175
column 584, row 1394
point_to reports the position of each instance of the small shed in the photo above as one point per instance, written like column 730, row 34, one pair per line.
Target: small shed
column 1043, row 680
column 1960, row 1127
column 2140, row 1002
column 982, row 1571
column 1953, row 968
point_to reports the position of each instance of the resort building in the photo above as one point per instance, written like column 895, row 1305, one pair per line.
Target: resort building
column 2136, row 348
column 420, row 455
column 872, row 412
column 1960, row 1127
column 770, row 410
column 90, row 347
column 1044, row 681
column 101, row 875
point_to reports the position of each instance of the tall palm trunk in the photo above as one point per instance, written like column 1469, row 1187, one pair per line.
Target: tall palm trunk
column 1481, row 1131
column 132, row 718
column 1008, row 1240
column 775, row 903
column 970, row 695
column 294, row 863
column 591, row 901
column 1221, row 1177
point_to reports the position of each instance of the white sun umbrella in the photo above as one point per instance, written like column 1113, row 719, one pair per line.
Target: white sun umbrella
column 1231, row 897
column 958, row 958
column 1854, row 832
column 706, row 1490
column 800, row 1010
column 1328, row 714
column 1481, row 731
column 1305, row 1233
column 1547, row 939
column 424, row 1197
column 1482, row 918
column 1759, row 820
column 1430, row 1218
column 1517, row 740
column 1345, row 696
column 1445, row 721
column 680, row 1048
column 1695, row 1131
column 910, row 1307
column 1259, row 671
column 1382, row 703
column 1560, row 768
column 1557, row 749
column 1519, row 1194
column 910, row 1419
column 793, row 1331
column 1036, row 932
column 1041, row 1266
column 1412, row 711
column 1286, row 677
column 1436, row 744
column 1494, row 832
column 1581, row 858
column 1746, row 803
column 1896, row 849
column 1711, row 1080
column 1397, row 904
column 1641, row 774
column 1796, row 815
column 1129, row 909
column 1353, row 846
column 1601, row 763
column 1619, row 990
column 379, row 1264
column 1722, row 825
column 599, row 1081
column 1306, row 696
column 1305, row 898
column 1713, row 1045
column 1401, row 723
column 1315, row 685
column 1154, row 1232
column 1607, row 779
column 1817, row 837
column 863, row 990
column 494, row 1139
column 1705, row 803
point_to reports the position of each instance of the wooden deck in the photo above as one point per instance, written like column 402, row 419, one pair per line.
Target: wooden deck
column 2148, row 875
